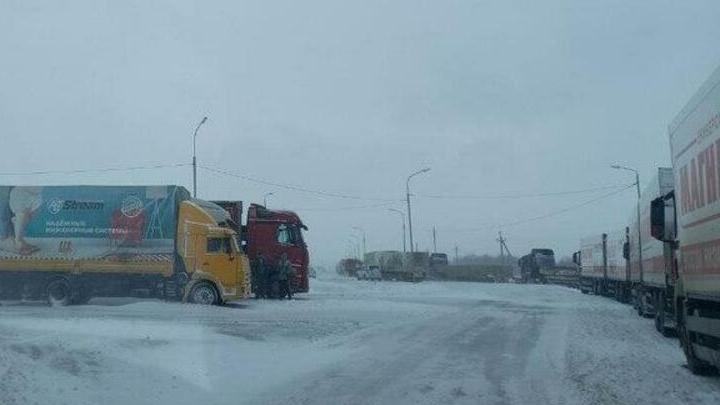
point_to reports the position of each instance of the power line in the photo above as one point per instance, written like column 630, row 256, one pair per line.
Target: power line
column 528, row 195
column 98, row 170
column 570, row 208
column 295, row 188
column 550, row 214
column 385, row 204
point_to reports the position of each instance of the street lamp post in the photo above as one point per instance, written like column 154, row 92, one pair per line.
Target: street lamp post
column 265, row 198
column 402, row 218
column 356, row 244
column 637, row 187
column 364, row 237
column 194, row 162
column 409, row 212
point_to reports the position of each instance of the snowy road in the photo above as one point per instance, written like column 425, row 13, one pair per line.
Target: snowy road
column 348, row 342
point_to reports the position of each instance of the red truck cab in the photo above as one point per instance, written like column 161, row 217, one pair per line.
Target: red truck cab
column 272, row 233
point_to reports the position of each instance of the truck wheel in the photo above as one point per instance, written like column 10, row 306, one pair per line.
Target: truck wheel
column 204, row 294
column 660, row 321
column 58, row 293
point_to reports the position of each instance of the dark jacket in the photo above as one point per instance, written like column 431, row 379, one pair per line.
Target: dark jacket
column 285, row 270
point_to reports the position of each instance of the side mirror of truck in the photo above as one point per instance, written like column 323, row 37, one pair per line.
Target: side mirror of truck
column 626, row 250
column 662, row 219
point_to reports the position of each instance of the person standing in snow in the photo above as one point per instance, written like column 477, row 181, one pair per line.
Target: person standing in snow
column 285, row 274
column 259, row 277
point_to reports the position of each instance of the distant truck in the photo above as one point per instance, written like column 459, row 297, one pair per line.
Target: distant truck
column 371, row 273
column 349, row 267
column 272, row 233
column 67, row 244
column 603, row 268
column 438, row 259
column 534, row 264
column 688, row 222
column 438, row 262
column 394, row 265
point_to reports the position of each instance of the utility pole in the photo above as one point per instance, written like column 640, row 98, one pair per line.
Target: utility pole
column 356, row 245
column 504, row 251
column 501, row 240
column 194, row 162
column 434, row 240
column 407, row 195
column 639, row 226
column 456, row 255
column 364, row 237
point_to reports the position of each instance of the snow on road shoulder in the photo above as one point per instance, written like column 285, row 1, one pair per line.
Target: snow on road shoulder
column 110, row 361
column 614, row 356
column 135, row 351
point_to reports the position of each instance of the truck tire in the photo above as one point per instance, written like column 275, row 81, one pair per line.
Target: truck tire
column 660, row 316
column 204, row 293
column 660, row 322
column 59, row 293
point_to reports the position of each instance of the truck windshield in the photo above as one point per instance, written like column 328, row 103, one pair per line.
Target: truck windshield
column 289, row 235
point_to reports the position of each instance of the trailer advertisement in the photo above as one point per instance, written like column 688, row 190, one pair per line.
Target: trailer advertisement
column 87, row 221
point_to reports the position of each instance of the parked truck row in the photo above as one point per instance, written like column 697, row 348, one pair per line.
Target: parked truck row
column 667, row 260
column 67, row 244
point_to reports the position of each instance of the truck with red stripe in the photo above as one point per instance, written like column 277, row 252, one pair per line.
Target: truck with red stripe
column 651, row 266
column 688, row 221
column 603, row 268
column 617, row 283
column 592, row 263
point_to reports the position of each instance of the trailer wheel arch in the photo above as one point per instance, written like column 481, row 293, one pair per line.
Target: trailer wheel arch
column 204, row 292
column 59, row 291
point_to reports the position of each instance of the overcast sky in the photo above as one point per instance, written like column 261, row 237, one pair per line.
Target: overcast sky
column 497, row 97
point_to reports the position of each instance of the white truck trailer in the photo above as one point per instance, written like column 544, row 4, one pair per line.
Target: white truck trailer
column 689, row 221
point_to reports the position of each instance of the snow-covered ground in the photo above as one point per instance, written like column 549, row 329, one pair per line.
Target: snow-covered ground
column 348, row 342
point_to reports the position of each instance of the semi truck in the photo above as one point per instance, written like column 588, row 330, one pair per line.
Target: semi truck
column 651, row 271
column 592, row 261
column 617, row 282
column 394, row 265
column 534, row 263
column 688, row 221
column 271, row 233
column 67, row 244
column 349, row 267
column 603, row 265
